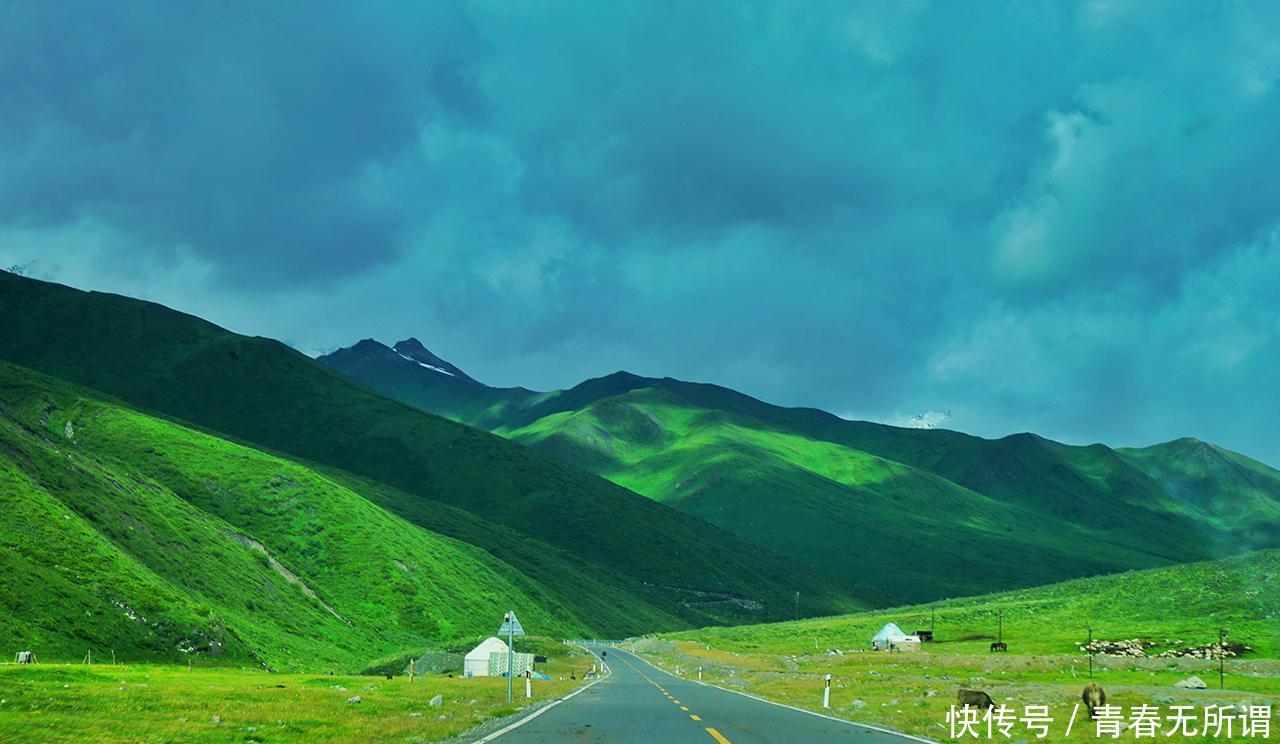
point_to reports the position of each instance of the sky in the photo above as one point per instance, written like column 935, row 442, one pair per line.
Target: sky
column 991, row 216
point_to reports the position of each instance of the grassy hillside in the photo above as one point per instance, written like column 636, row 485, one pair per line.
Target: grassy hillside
column 969, row 517
column 1238, row 494
column 908, row 534
column 1187, row 602
column 260, row 391
column 130, row 533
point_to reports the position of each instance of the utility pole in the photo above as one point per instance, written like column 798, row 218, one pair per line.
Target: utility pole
column 797, row 605
column 1090, row 647
column 1000, row 620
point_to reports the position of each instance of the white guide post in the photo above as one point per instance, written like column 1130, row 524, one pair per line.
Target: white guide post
column 826, row 693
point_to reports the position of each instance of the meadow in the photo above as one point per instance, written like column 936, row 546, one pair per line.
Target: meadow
column 912, row 692
column 1172, row 608
column 164, row 702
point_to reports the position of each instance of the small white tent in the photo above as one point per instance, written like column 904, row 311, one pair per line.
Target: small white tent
column 891, row 636
column 476, row 663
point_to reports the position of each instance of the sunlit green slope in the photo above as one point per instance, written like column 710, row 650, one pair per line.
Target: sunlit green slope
column 126, row 532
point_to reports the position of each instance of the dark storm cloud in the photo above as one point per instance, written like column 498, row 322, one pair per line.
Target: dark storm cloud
column 1049, row 216
column 240, row 130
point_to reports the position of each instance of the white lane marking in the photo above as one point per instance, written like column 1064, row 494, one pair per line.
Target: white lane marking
column 549, row 706
column 783, row 705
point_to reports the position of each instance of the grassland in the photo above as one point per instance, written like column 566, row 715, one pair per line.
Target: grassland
column 158, row 703
column 912, row 691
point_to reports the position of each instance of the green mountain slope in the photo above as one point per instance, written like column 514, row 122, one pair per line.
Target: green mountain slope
column 907, row 533
column 912, row 514
column 260, row 391
column 1187, row 602
column 126, row 532
column 1239, row 494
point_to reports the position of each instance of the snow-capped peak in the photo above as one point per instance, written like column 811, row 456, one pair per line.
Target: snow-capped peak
column 428, row 366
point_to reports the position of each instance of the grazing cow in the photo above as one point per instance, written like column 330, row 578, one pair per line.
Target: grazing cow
column 1094, row 697
column 976, row 698
column 26, row 657
column 999, row 646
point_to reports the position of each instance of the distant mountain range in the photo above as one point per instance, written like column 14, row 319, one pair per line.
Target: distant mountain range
column 908, row 514
column 154, row 464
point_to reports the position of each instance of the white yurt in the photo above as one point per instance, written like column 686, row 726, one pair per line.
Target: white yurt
column 891, row 636
column 476, row 663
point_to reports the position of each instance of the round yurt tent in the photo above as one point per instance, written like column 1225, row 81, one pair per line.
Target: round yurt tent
column 891, row 637
column 476, row 663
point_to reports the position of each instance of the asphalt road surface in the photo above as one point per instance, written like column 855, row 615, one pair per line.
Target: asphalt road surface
column 640, row 703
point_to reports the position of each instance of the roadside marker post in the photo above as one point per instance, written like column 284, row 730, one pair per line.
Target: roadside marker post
column 699, row 674
column 1222, row 655
column 528, row 684
column 826, row 693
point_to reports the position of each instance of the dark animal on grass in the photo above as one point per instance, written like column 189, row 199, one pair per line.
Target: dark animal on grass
column 388, row 676
column 999, row 646
column 1094, row 697
column 976, row 698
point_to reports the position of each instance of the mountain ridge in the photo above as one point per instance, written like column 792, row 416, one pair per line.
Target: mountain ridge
column 1119, row 508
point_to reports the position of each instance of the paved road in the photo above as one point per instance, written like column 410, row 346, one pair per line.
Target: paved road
column 640, row 703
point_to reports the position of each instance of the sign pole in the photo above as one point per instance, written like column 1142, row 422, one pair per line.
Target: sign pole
column 510, row 627
column 511, row 640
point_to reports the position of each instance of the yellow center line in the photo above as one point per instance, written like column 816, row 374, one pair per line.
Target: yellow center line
column 718, row 736
column 677, row 702
column 694, row 717
column 684, row 708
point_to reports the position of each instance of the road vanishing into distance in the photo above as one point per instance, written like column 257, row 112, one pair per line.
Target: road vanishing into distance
column 641, row 703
